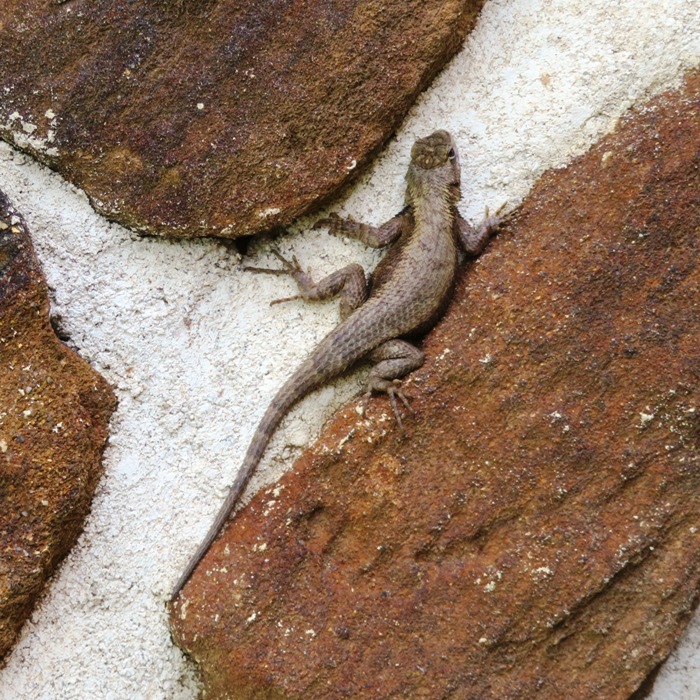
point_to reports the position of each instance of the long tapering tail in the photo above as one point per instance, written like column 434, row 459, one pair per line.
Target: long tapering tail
column 304, row 380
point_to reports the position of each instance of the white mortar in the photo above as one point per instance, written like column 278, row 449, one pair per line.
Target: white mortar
column 195, row 352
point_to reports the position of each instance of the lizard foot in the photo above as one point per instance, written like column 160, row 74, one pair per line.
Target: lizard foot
column 292, row 268
column 490, row 221
column 393, row 390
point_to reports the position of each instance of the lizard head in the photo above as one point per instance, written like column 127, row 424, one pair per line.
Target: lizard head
column 435, row 164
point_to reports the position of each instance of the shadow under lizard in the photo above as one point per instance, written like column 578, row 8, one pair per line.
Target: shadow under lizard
column 407, row 294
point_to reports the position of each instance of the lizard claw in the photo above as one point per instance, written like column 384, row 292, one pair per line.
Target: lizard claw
column 393, row 390
column 487, row 212
column 292, row 268
column 289, row 267
column 492, row 221
column 270, row 270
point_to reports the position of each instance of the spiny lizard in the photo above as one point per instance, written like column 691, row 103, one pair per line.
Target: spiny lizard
column 407, row 294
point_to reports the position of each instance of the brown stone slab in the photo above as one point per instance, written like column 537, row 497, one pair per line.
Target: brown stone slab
column 537, row 532
column 215, row 117
column 54, row 411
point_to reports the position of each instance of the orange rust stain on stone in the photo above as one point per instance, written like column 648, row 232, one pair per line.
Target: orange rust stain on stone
column 54, row 411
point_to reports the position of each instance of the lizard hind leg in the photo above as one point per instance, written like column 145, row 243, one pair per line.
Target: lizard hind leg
column 394, row 360
column 349, row 282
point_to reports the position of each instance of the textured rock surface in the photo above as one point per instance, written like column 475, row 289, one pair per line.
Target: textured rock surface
column 536, row 533
column 215, row 117
column 54, row 411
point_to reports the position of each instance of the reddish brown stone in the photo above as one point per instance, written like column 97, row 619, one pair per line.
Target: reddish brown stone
column 215, row 117
column 54, row 411
column 536, row 533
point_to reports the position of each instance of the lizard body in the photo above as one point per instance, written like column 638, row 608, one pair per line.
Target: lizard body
column 408, row 293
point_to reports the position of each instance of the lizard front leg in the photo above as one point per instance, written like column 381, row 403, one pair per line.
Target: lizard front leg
column 395, row 359
column 349, row 282
column 373, row 236
column 474, row 240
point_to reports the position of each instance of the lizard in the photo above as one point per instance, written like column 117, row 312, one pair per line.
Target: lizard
column 406, row 295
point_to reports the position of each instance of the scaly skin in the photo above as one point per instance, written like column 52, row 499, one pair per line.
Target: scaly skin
column 408, row 293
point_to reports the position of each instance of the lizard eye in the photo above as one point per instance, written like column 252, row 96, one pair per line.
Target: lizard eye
column 451, row 154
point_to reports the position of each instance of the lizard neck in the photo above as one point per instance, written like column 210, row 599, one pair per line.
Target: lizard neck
column 432, row 208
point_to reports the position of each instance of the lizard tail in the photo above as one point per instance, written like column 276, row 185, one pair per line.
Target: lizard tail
column 305, row 379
